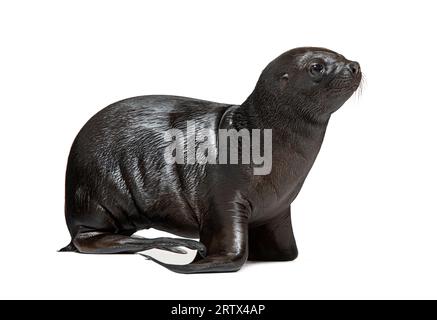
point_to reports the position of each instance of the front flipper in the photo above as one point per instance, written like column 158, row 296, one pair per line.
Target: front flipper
column 225, row 234
column 274, row 240
column 206, row 265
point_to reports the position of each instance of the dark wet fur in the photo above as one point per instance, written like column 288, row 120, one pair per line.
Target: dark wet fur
column 117, row 181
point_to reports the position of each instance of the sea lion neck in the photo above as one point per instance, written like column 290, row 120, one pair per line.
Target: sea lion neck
column 287, row 117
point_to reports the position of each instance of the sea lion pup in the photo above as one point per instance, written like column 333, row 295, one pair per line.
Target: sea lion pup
column 118, row 181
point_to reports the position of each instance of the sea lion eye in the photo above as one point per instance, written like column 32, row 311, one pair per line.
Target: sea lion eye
column 317, row 69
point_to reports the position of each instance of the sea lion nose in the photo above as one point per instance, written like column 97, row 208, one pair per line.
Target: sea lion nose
column 354, row 67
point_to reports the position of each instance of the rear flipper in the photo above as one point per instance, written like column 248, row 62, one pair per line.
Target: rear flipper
column 106, row 243
column 69, row 248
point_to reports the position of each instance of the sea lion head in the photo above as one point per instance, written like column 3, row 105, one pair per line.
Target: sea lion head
column 316, row 81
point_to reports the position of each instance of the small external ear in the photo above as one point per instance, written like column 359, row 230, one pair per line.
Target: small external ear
column 283, row 81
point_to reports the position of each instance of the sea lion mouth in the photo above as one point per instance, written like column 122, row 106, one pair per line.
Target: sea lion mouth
column 347, row 80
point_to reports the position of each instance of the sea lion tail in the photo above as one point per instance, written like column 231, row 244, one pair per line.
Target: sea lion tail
column 69, row 248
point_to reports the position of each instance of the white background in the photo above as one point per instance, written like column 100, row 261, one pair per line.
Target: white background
column 365, row 221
